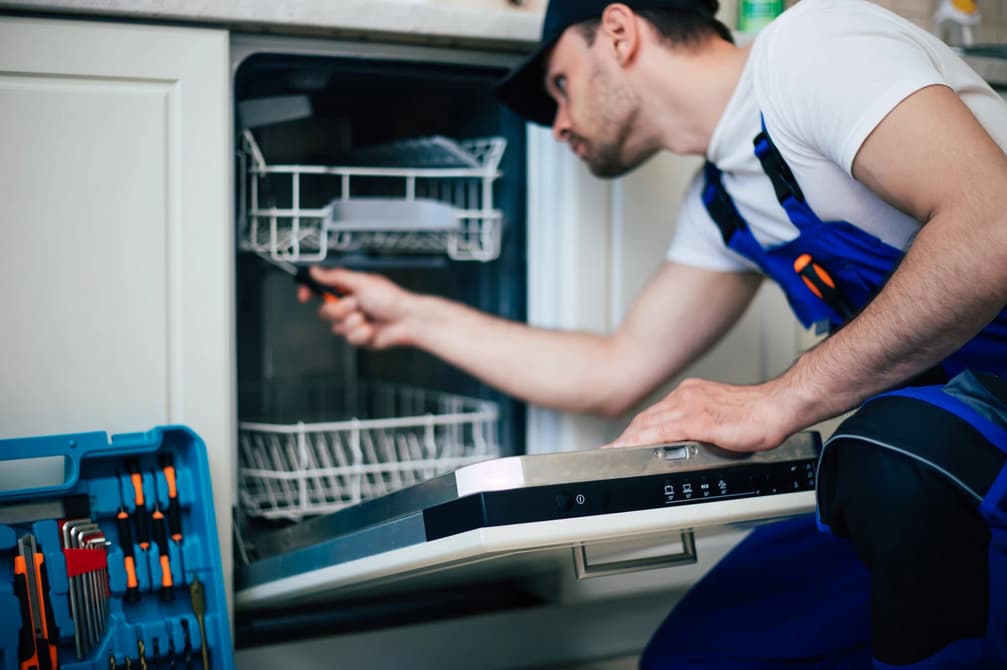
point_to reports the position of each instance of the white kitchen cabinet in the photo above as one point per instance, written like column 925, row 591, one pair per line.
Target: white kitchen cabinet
column 116, row 261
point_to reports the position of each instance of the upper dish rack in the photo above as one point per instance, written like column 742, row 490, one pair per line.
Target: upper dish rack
column 424, row 195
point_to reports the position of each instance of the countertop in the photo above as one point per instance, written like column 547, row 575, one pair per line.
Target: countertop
column 445, row 21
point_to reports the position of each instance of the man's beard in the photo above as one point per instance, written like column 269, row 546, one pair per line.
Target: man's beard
column 605, row 157
column 608, row 163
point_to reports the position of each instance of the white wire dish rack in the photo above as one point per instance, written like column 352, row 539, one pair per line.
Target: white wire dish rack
column 293, row 212
column 397, row 436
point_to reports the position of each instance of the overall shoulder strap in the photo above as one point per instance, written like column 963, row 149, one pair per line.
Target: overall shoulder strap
column 720, row 205
column 779, row 173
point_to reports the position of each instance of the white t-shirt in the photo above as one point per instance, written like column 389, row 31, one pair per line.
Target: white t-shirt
column 824, row 75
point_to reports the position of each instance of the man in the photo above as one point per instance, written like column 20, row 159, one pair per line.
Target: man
column 855, row 160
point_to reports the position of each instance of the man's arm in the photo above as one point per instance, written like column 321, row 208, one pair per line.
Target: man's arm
column 680, row 313
column 932, row 159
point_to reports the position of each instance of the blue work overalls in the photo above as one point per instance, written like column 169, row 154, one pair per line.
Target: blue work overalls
column 788, row 596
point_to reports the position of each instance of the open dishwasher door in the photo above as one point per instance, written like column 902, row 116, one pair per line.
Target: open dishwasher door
column 508, row 516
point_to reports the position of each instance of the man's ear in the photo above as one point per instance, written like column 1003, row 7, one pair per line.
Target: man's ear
column 621, row 33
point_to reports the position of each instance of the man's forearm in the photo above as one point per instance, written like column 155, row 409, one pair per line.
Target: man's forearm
column 680, row 313
column 932, row 159
column 561, row 370
column 951, row 284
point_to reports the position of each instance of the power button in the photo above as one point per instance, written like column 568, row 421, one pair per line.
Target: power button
column 564, row 501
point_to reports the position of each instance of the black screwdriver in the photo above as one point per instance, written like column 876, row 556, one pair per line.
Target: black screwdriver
column 161, row 530
column 302, row 275
column 126, row 543
column 160, row 523
column 186, row 645
column 141, row 516
column 174, row 509
column 171, row 653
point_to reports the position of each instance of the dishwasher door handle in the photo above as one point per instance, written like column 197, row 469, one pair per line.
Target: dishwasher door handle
column 586, row 570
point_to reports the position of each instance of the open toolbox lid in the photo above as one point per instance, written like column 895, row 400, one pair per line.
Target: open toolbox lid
column 109, row 552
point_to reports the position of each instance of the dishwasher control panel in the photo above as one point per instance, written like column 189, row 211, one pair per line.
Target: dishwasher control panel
column 610, row 496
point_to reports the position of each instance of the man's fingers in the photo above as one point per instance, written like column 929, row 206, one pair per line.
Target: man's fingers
column 740, row 418
column 345, row 281
column 361, row 335
column 385, row 337
column 353, row 321
column 354, row 328
column 339, row 310
column 344, row 326
column 662, row 422
column 637, row 438
column 649, row 435
column 654, row 419
column 371, row 311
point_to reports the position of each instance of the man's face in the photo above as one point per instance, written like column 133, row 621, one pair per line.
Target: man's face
column 596, row 106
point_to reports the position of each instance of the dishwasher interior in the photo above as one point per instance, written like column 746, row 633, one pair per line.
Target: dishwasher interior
column 403, row 164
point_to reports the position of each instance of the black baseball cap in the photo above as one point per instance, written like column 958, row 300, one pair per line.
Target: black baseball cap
column 523, row 90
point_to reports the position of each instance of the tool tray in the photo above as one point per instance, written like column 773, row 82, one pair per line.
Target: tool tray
column 99, row 612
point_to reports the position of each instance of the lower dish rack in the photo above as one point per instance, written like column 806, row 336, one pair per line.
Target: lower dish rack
column 396, row 436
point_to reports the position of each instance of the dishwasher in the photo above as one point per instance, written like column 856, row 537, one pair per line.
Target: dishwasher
column 374, row 483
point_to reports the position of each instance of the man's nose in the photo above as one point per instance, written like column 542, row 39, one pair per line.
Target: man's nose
column 561, row 125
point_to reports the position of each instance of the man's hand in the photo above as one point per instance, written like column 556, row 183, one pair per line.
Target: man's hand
column 739, row 418
column 374, row 312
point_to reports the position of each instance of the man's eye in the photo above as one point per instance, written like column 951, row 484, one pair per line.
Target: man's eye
column 559, row 81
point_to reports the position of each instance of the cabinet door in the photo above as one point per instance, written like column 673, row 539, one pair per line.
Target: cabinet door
column 116, row 247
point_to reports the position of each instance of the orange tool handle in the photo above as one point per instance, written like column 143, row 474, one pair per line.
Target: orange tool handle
column 39, row 559
column 169, row 476
column 126, row 542
column 813, row 274
column 131, row 581
column 33, row 658
column 166, row 580
column 27, row 649
column 142, row 520
column 167, row 583
column 174, row 508
column 137, row 480
column 820, row 282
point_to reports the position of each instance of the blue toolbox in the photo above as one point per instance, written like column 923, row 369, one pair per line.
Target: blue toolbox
column 116, row 565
